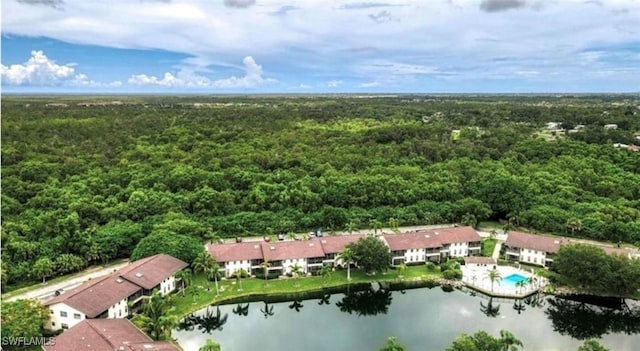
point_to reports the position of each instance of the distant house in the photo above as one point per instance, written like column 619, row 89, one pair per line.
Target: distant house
column 107, row 335
column 307, row 254
column 611, row 126
column 531, row 248
column 233, row 257
column 433, row 245
column 112, row 296
column 553, row 125
column 155, row 272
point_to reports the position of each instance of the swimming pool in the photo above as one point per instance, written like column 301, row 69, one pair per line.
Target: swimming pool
column 513, row 279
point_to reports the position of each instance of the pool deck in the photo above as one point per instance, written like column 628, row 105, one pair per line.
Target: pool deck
column 476, row 278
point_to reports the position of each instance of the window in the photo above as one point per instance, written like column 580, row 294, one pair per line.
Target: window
column 51, row 311
column 53, row 324
column 63, row 313
column 120, row 313
column 65, row 326
column 76, row 316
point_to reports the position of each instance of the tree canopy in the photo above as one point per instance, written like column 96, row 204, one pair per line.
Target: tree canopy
column 371, row 254
column 23, row 318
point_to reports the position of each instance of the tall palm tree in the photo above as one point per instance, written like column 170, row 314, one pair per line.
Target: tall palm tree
column 210, row 345
column 494, row 276
column 574, row 224
column 393, row 224
column 184, row 276
column 296, row 270
column 265, row 266
column 520, row 285
column 347, row 256
column 240, row 273
column 375, row 225
column 401, row 268
column 154, row 318
column 206, row 264
column 508, row 341
column 324, row 272
column 350, row 227
column 213, row 271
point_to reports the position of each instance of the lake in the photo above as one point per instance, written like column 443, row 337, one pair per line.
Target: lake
column 422, row 319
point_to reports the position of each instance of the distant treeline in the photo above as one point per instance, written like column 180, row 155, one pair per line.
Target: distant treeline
column 90, row 182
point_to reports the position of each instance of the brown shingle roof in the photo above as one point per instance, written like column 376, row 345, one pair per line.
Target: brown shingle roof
column 235, row 252
column 416, row 240
column 335, row 244
column 105, row 335
column 97, row 295
column 292, row 249
column 153, row 346
column 455, row 234
column 151, row 271
column 533, row 242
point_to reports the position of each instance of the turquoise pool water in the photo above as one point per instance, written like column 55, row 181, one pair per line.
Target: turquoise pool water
column 513, row 279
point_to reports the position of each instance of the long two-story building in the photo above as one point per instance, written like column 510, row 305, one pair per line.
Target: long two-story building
column 114, row 295
column 532, row 248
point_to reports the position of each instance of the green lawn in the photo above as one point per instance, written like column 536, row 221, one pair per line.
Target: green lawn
column 487, row 247
column 201, row 292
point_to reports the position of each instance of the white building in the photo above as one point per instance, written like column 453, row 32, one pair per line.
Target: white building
column 531, row 248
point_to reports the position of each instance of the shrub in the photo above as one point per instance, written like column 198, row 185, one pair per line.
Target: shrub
column 430, row 266
column 449, row 274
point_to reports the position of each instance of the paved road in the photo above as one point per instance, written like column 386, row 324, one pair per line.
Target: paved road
column 47, row 290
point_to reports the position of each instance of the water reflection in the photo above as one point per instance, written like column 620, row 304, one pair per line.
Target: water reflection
column 582, row 320
column 296, row 305
column 267, row 310
column 490, row 310
column 207, row 323
column 241, row 310
column 324, row 300
column 519, row 306
column 366, row 302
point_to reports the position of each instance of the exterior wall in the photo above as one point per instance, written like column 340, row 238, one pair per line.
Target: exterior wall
column 168, row 285
column 56, row 320
column 414, row 255
column 119, row 310
column 302, row 262
column 232, row 266
column 533, row 256
column 459, row 249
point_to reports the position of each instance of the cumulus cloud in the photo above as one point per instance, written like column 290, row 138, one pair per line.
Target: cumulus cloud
column 370, row 85
column 253, row 76
column 334, row 83
column 243, row 4
column 501, row 5
column 39, row 70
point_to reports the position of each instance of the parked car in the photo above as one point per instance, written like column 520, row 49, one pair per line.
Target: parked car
column 311, row 234
column 238, row 239
column 280, row 237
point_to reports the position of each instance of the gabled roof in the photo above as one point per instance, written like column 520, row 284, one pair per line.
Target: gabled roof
column 455, row 234
column 335, row 244
column 534, row 242
column 284, row 250
column 106, row 335
column 414, row 240
column 151, row 271
column 97, row 295
column 235, row 252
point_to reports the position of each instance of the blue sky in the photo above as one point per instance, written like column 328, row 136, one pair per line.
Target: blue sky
column 320, row 46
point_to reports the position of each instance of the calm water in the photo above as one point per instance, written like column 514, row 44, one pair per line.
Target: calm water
column 422, row 319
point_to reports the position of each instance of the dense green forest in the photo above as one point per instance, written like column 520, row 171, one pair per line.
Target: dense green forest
column 84, row 184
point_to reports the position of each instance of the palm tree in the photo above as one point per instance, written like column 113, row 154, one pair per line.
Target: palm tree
column 206, row 264
column 210, row 345
column 185, row 278
column 393, row 224
column 401, row 268
column 213, row 237
column 154, row 318
column 324, row 272
column 347, row 256
column 351, row 226
column 574, row 224
column 240, row 273
column 265, row 266
column 291, row 236
column 520, row 285
column 494, row 276
column 509, row 341
column 296, row 270
column 375, row 225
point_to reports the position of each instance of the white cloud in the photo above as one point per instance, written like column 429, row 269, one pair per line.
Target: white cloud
column 187, row 78
column 334, row 83
column 39, row 70
column 370, row 85
column 304, row 86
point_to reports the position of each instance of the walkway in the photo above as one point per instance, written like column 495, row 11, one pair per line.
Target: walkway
column 47, row 291
column 496, row 250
